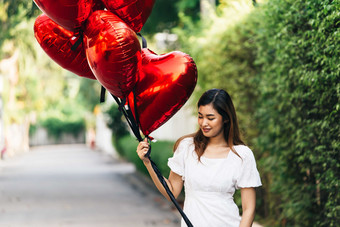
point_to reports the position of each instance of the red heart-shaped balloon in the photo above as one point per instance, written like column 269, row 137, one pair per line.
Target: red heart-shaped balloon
column 113, row 52
column 56, row 41
column 70, row 14
column 133, row 12
column 165, row 83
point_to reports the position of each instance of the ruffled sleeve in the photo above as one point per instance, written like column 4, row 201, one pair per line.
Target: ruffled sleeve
column 177, row 163
column 249, row 176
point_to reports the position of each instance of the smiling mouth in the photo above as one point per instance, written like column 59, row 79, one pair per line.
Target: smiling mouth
column 206, row 129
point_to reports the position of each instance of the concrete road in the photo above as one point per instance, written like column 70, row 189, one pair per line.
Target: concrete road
column 71, row 185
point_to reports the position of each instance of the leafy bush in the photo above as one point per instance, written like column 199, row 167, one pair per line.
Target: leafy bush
column 161, row 151
column 281, row 66
column 66, row 116
column 298, row 108
column 126, row 148
column 117, row 125
column 115, row 122
column 56, row 127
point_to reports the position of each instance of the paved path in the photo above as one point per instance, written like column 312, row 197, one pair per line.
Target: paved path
column 70, row 185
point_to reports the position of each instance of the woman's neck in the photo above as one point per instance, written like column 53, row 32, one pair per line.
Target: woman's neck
column 217, row 141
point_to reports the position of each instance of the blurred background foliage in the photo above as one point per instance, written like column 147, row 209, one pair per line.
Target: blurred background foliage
column 41, row 90
column 279, row 60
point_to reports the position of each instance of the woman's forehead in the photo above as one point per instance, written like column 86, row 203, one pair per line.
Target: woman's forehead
column 207, row 110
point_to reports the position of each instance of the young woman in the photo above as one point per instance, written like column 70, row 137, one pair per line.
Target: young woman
column 211, row 164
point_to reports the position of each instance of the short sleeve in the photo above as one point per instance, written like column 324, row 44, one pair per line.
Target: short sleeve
column 176, row 163
column 249, row 176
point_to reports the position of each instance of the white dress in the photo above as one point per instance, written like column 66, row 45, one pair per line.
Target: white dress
column 210, row 184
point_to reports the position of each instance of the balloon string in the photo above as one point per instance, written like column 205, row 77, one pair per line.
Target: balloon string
column 122, row 104
column 135, row 105
column 102, row 94
column 135, row 129
column 78, row 42
column 166, row 187
column 144, row 43
column 134, row 125
column 129, row 117
column 172, row 197
column 156, row 169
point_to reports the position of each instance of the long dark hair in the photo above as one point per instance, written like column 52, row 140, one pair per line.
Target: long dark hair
column 221, row 101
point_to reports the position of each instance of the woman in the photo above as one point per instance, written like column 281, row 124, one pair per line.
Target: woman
column 211, row 164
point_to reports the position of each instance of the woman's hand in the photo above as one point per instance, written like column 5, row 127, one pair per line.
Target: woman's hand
column 142, row 149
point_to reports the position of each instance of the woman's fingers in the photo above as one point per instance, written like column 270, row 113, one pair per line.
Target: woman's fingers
column 142, row 149
column 143, row 145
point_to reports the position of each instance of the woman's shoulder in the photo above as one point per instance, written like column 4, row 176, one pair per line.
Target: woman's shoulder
column 187, row 140
column 183, row 143
column 244, row 151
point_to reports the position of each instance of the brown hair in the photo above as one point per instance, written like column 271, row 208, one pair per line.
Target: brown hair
column 222, row 103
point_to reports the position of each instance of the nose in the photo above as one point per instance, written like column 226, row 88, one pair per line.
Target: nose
column 205, row 122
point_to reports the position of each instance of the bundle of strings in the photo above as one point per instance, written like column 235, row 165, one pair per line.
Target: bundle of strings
column 134, row 125
column 135, row 129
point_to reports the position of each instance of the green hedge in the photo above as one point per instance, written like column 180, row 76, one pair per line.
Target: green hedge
column 115, row 122
column 160, row 152
column 56, row 127
column 281, row 66
column 298, row 108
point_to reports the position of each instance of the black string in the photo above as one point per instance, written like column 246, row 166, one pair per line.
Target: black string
column 171, row 196
column 122, row 104
column 78, row 42
column 135, row 105
column 102, row 94
column 144, row 43
column 158, row 172
column 129, row 117
column 134, row 125
column 166, row 187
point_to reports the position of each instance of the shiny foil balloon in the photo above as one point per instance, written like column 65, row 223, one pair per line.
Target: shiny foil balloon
column 133, row 12
column 113, row 52
column 69, row 14
column 56, row 41
column 164, row 85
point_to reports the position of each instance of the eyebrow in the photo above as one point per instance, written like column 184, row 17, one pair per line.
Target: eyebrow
column 208, row 115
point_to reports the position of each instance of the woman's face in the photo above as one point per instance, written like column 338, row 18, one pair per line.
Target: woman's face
column 210, row 121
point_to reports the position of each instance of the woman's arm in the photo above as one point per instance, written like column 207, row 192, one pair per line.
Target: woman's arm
column 175, row 182
column 248, row 197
